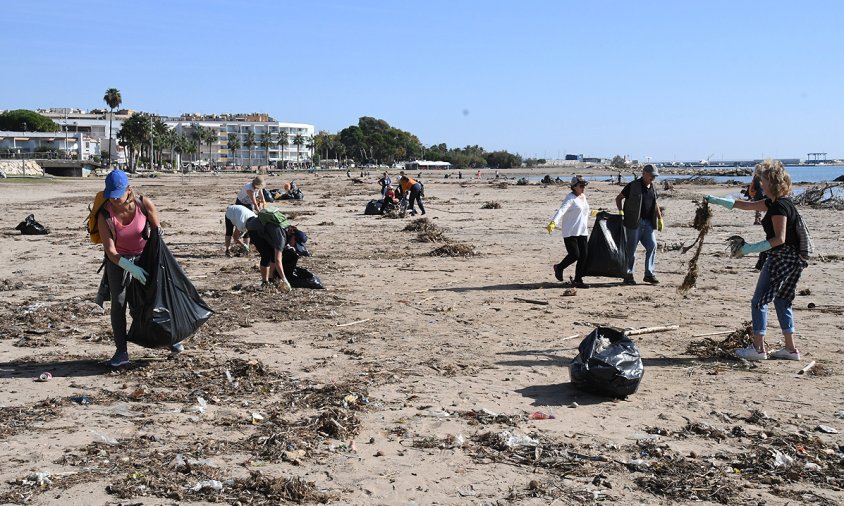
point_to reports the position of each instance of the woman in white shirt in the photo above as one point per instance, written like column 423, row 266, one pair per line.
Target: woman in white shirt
column 573, row 219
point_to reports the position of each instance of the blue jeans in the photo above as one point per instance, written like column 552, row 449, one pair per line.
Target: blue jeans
column 644, row 234
column 760, row 316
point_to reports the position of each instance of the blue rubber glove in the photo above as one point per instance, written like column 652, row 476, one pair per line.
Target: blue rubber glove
column 725, row 202
column 756, row 247
column 135, row 271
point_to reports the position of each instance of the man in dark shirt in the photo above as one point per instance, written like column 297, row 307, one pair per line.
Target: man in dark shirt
column 642, row 218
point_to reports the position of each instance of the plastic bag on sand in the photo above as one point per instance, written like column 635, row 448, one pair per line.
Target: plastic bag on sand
column 608, row 363
column 31, row 227
column 167, row 309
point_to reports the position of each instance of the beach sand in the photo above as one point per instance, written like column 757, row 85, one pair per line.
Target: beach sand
column 397, row 383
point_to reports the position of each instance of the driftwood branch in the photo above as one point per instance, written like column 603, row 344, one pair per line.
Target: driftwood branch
column 651, row 330
column 531, row 301
column 808, row 368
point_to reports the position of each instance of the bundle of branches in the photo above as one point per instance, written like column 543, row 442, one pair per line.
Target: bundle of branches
column 710, row 348
column 702, row 223
column 816, row 196
column 491, row 205
column 428, row 230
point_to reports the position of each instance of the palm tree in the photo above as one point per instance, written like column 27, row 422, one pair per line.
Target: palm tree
column 283, row 142
column 309, row 143
column 265, row 142
column 113, row 100
column 198, row 137
column 250, row 143
column 233, row 144
column 210, row 138
column 298, row 141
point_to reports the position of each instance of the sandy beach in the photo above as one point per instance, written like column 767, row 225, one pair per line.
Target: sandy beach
column 411, row 379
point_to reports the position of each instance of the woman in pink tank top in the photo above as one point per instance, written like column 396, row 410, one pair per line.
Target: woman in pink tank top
column 121, row 228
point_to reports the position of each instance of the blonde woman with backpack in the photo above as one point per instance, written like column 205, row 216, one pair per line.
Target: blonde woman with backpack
column 782, row 265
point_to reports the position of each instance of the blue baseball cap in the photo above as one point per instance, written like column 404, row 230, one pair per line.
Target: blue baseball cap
column 301, row 239
column 116, row 183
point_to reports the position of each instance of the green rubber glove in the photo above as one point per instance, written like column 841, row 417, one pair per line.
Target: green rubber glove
column 621, row 212
column 660, row 225
column 724, row 202
column 550, row 227
column 756, row 247
column 135, row 271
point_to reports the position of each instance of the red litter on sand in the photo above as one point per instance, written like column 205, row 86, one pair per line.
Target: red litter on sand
column 45, row 376
column 539, row 415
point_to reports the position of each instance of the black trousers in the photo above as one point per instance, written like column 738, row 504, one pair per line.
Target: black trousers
column 576, row 247
column 415, row 197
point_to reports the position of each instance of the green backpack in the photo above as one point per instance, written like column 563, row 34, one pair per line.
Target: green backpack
column 273, row 215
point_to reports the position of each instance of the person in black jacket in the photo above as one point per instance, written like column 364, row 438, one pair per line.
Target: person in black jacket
column 642, row 219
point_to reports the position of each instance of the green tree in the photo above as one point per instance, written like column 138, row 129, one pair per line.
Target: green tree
column 310, row 143
column 210, row 138
column 266, row 142
column 283, row 142
column 134, row 135
column 298, row 141
column 618, row 162
column 249, row 144
column 30, row 121
column 233, row 144
column 197, row 136
column 113, row 99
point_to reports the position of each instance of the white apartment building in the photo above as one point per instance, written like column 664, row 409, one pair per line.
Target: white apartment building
column 96, row 124
column 70, row 145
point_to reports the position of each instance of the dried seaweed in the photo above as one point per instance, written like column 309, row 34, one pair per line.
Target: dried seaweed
column 816, row 196
column 454, row 250
column 702, row 223
column 491, row 205
column 724, row 349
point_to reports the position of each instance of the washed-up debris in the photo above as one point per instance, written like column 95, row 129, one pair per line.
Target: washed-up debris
column 703, row 224
column 826, row 429
column 454, row 250
column 724, row 349
column 823, row 197
column 427, row 230
column 491, row 205
column 487, row 417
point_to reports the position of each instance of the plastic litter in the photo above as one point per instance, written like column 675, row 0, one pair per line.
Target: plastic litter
column 513, row 440
column 82, row 400
column 102, row 438
column 44, row 376
column 31, row 227
column 781, row 459
column 826, row 429
column 539, row 415
column 42, row 479
column 201, row 406
column 215, row 485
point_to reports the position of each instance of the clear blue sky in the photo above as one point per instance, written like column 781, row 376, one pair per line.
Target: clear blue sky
column 668, row 79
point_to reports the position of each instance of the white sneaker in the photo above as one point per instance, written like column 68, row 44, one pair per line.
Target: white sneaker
column 751, row 353
column 786, row 354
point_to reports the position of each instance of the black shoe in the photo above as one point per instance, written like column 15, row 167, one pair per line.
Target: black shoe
column 629, row 281
column 558, row 273
column 580, row 284
column 651, row 279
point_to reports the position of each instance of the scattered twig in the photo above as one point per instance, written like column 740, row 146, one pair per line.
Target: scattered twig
column 808, row 368
column 570, row 337
column 720, row 332
column 531, row 301
column 651, row 330
column 353, row 323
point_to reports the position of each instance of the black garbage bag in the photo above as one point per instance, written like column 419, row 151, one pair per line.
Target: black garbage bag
column 269, row 194
column 374, row 207
column 607, row 247
column 298, row 277
column 293, row 195
column 31, row 227
column 168, row 309
column 608, row 363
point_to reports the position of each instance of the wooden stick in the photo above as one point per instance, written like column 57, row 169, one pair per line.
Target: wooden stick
column 720, row 332
column 650, row 330
column 808, row 368
column 570, row 337
column 353, row 323
column 531, row 301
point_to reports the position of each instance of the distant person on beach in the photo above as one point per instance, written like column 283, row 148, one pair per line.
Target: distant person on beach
column 642, row 219
column 619, row 178
column 251, row 196
column 478, row 174
column 384, row 181
column 782, row 264
column 390, row 201
column 122, row 224
column 572, row 218
column 755, row 194
column 413, row 189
